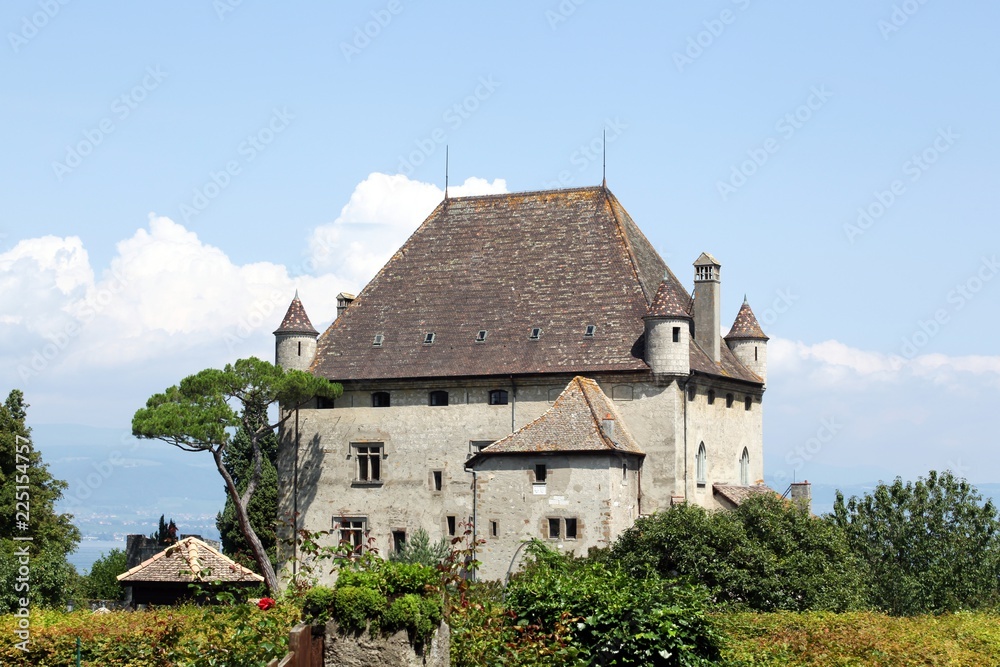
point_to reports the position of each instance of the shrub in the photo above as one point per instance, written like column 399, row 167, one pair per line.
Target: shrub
column 418, row 549
column 317, row 604
column 619, row 618
column 355, row 607
column 418, row 615
column 766, row 555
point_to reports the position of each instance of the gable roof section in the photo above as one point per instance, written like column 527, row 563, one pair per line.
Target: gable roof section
column 737, row 494
column 187, row 561
column 729, row 366
column 572, row 424
column 670, row 301
column 555, row 260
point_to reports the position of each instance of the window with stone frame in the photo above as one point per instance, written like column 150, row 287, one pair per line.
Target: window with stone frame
column 352, row 531
column 745, row 468
column 368, row 462
column 701, row 466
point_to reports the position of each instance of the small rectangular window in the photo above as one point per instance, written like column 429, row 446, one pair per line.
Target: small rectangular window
column 377, row 341
column 494, row 529
column 380, row 399
column 541, row 473
column 747, row 403
column 481, row 336
column 498, row 397
column 428, row 338
column 438, row 479
column 570, row 529
column 590, row 331
column 729, row 400
column 452, row 526
column 369, row 465
column 476, row 446
column 536, row 333
column 398, row 540
column 553, row 529
column 351, row 530
column 677, row 334
column 438, row 398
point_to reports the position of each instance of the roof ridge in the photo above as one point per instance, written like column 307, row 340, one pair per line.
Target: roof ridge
column 628, row 244
column 488, row 195
column 590, row 406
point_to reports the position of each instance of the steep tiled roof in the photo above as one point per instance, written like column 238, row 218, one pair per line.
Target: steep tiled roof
column 554, row 260
column 746, row 325
column 670, row 301
column 574, row 423
column 189, row 560
column 729, row 366
column 737, row 494
column 296, row 320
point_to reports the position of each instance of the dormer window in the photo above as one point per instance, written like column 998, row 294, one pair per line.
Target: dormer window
column 536, row 333
column 481, row 336
column 377, row 341
column 428, row 338
column 591, row 330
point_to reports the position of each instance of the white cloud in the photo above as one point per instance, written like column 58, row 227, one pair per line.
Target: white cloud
column 382, row 213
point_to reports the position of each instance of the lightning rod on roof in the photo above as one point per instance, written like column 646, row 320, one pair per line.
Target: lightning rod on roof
column 446, row 171
column 604, row 165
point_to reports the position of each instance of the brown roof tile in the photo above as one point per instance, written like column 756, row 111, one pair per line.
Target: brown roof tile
column 737, row 494
column 574, row 423
column 554, row 260
column 296, row 320
column 746, row 325
column 729, row 366
column 187, row 561
column 670, row 301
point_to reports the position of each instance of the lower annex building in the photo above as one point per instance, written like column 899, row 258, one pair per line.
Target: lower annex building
column 528, row 364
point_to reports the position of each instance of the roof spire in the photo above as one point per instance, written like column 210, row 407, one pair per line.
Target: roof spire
column 446, row 172
column 604, row 164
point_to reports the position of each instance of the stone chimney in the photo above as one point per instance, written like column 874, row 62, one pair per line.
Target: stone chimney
column 707, row 308
column 343, row 301
column 801, row 495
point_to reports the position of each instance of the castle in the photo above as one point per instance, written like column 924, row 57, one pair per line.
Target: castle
column 526, row 364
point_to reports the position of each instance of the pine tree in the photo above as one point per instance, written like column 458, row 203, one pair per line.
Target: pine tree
column 263, row 507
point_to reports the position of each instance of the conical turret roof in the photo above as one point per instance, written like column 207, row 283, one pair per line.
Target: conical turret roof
column 670, row 301
column 296, row 320
column 746, row 325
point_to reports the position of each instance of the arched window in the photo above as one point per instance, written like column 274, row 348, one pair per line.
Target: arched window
column 498, row 397
column 745, row 468
column 380, row 399
column 438, row 398
column 700, row 464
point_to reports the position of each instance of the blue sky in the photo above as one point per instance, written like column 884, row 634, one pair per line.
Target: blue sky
column 171, row 174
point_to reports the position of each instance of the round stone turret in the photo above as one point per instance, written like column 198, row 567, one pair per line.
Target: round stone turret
column 295, row 339
column 748, row 342
column 668, row 330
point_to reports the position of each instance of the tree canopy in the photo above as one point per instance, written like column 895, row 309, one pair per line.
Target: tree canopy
column 930, row 546
column 204, row 412
column 28, row 489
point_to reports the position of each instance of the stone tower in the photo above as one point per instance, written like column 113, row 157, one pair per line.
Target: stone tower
column 668, row 330
column 747, row 341
column 707, row 313
column 295, row 339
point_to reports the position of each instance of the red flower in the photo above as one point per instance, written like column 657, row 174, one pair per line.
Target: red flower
column 265, row 603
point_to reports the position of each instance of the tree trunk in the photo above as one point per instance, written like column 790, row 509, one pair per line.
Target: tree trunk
column 260, row 554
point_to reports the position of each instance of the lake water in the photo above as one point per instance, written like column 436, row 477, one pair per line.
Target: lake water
column 90, row 550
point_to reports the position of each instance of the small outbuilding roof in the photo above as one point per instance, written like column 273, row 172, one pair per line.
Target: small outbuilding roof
column 582, row 419
column 737, row 494
column 187, row 561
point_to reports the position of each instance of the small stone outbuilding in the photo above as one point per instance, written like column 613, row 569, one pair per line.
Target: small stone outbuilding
column 165, row 578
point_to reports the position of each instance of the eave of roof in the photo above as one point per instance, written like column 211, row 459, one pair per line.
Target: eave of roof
column 190, row 556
